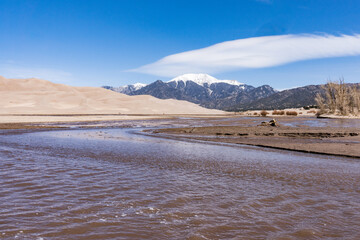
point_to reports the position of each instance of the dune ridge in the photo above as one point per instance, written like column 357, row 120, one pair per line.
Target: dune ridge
column 37, row 96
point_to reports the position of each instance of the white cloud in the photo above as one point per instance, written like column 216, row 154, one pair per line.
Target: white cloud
column 257, row 52
column 11, row 70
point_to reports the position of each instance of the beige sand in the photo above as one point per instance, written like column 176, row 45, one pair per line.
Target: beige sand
column 326, row 140
column 35, row 96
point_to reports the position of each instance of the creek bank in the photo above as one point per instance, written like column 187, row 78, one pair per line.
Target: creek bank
column 321, row 140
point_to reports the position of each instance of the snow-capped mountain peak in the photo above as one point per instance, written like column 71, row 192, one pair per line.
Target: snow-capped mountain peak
column 202, row 79
column 137, row 86
column 127, row 89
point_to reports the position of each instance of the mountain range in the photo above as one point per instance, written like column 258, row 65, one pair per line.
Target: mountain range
column 229, row 95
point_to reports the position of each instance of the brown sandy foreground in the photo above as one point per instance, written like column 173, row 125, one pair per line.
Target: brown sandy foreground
column 330, row 141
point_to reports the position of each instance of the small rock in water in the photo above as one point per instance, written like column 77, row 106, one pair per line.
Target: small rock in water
column 272, row 123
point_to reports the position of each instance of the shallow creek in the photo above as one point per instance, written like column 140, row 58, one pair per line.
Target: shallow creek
column 118, row 184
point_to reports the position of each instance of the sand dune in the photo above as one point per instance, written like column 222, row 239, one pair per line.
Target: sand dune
column 35, row 96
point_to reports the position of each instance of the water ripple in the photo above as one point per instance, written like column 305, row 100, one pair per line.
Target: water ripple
column 111, row 184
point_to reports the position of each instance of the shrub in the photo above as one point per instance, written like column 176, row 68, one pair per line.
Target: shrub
column 278, row 112
column 263, row 113
column 291, row 113
column 339, row 98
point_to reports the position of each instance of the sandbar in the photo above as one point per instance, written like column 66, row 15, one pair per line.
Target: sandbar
column 337, row 141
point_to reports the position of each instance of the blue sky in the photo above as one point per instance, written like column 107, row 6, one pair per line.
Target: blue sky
column 95, row 43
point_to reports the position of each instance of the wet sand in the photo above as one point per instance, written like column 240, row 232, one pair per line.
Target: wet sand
column 33, row 119
column 39, row 121
column 339, row 141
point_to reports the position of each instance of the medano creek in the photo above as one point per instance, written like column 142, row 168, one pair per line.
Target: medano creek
column 121, row 182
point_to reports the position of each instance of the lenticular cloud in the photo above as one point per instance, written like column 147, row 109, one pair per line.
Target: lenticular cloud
column 258, row 52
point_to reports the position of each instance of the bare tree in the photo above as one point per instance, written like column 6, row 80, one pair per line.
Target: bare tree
column 339, row 98
column 342, row 97
column 321, row 103
column 354, row 100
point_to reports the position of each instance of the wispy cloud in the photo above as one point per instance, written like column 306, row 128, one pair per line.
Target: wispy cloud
column 11, row 70
column 258, row 52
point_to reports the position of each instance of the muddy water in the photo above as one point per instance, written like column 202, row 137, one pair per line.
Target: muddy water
column 114, row 184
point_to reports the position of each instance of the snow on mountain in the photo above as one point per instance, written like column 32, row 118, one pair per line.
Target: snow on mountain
column 137, row 86
column 201, row 89
column 127, row 89
column 202, row 79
